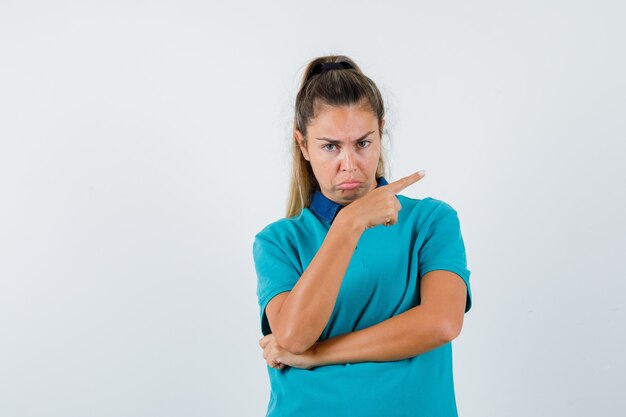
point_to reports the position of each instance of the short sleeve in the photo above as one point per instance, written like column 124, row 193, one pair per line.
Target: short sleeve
column 277, row 271
column 443, row 248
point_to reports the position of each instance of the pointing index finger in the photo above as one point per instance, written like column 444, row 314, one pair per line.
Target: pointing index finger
column 402, row 183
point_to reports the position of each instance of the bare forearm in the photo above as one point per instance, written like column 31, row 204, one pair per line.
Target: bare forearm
column 306, row 311
column 408, row 334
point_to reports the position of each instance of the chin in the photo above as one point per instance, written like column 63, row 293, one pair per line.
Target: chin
column 349, row 196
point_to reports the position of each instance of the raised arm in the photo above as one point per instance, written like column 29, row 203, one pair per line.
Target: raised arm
column 298, row 319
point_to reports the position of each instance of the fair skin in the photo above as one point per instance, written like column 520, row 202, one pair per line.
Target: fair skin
column 343, row 147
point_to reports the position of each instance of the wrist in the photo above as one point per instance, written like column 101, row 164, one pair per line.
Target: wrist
column 348, row 223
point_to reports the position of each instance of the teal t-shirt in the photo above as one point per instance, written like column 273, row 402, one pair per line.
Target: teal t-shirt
column 382, row 280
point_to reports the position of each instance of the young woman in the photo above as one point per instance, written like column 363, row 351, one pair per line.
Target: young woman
column 361, row 289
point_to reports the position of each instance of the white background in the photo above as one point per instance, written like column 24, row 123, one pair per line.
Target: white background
column 143, row 144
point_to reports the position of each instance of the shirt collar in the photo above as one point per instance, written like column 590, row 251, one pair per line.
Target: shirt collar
column 325, row 209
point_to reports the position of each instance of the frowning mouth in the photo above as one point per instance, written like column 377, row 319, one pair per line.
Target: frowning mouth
column 349, row 185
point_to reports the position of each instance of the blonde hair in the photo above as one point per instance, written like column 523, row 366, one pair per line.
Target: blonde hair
column 332, row 88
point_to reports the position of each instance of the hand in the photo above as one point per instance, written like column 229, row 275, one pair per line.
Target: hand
column 379, row 206
column 278, row 357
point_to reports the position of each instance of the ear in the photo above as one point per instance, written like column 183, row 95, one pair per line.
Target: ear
column 382, row 127
column 301, row 143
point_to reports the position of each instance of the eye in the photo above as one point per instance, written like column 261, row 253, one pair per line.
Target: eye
column 326, row 147
column 364, row 143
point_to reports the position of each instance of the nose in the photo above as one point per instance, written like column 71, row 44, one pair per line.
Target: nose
column 347, row 163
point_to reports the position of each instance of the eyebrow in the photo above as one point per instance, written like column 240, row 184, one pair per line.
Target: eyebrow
column 336, row 142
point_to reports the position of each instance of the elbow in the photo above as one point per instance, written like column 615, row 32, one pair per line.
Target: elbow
column 289, row 339
column 295, row 342
column 297, row 349
column 295, row 345
column 449, row 329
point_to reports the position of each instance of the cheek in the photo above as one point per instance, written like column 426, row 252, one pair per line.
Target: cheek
column 325, row 170
column 320, row 167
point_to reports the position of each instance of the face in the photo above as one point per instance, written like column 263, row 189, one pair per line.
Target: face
column 343, row 147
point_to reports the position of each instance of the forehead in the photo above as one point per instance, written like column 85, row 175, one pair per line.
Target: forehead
column 343, row 122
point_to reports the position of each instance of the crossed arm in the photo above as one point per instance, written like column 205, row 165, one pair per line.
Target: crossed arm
column 435, row 322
